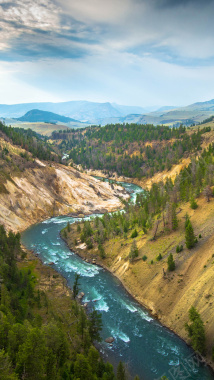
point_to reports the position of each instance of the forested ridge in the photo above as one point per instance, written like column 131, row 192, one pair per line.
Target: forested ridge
column 19, row 149
column 160, row 202
column 31, row 142
column 130, row 150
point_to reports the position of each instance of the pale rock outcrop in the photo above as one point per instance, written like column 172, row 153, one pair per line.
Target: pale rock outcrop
column 54, row 190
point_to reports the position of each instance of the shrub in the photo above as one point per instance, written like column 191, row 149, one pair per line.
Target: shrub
column 179, row 248
column 144, row 257
column 193, row 204
column 159, row 257
column 134, row 234
column 89, row 243
column 82, row 237
column 102, row 251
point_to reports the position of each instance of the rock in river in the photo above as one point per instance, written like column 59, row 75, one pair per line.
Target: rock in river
column 109, row 340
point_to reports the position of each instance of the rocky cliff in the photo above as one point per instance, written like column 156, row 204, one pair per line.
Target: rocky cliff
column 52, row 189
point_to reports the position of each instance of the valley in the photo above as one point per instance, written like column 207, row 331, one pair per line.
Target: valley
column 148, row 349
column 106, row 190
column 36, row 185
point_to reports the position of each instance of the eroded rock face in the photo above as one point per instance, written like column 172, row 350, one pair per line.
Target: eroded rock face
column 54, row 190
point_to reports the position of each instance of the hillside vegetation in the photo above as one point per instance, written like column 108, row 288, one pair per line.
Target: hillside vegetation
column 45, row 116
column 44, row 331
column 131, row 150
column 162, row 247
column 30, row 141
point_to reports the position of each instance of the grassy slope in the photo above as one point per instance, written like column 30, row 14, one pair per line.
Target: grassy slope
column 46, row 129
column 42, row 128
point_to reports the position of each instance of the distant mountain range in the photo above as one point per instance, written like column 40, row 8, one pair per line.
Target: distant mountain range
column 44, row 116
column 188, row 115
column 78, row 110
column 106, row 113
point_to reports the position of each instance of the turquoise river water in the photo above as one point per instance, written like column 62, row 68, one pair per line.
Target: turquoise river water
column 149, row 349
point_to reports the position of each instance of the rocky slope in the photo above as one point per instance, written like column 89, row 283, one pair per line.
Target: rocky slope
column 50, row 190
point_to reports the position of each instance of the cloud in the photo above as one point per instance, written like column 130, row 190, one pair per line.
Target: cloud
column 181, row 3
column 170, row 30
column 110, row 49
column 36, row 30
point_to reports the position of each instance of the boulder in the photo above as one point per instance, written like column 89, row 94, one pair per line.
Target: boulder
column 109, row 340
column 81, row 295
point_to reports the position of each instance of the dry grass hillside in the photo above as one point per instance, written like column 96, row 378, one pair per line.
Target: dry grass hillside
column 168, row 296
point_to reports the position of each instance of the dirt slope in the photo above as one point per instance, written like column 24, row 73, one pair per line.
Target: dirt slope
column 45, row 191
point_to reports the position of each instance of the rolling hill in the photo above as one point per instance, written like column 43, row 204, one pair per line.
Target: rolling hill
column 191, row 114
column 44, row 116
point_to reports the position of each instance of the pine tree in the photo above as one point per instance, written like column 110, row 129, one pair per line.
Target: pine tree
column 196, row 330
column 190, row 238
column 82, row 323
column 174, row 218
column 187, row 219
column 68, row 227
column 76, row 285
column 82, row 369
column 171, row 263
column 134, row 251
column 95, row 325
column 121, row 374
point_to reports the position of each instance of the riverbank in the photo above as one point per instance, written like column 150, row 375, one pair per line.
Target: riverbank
column 153, row 314
column 167, row 297
column 145, row 183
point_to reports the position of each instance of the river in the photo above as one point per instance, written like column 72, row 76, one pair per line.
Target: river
column 149, row 349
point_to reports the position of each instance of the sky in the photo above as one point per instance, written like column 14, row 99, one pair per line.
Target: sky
column 132, row 52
